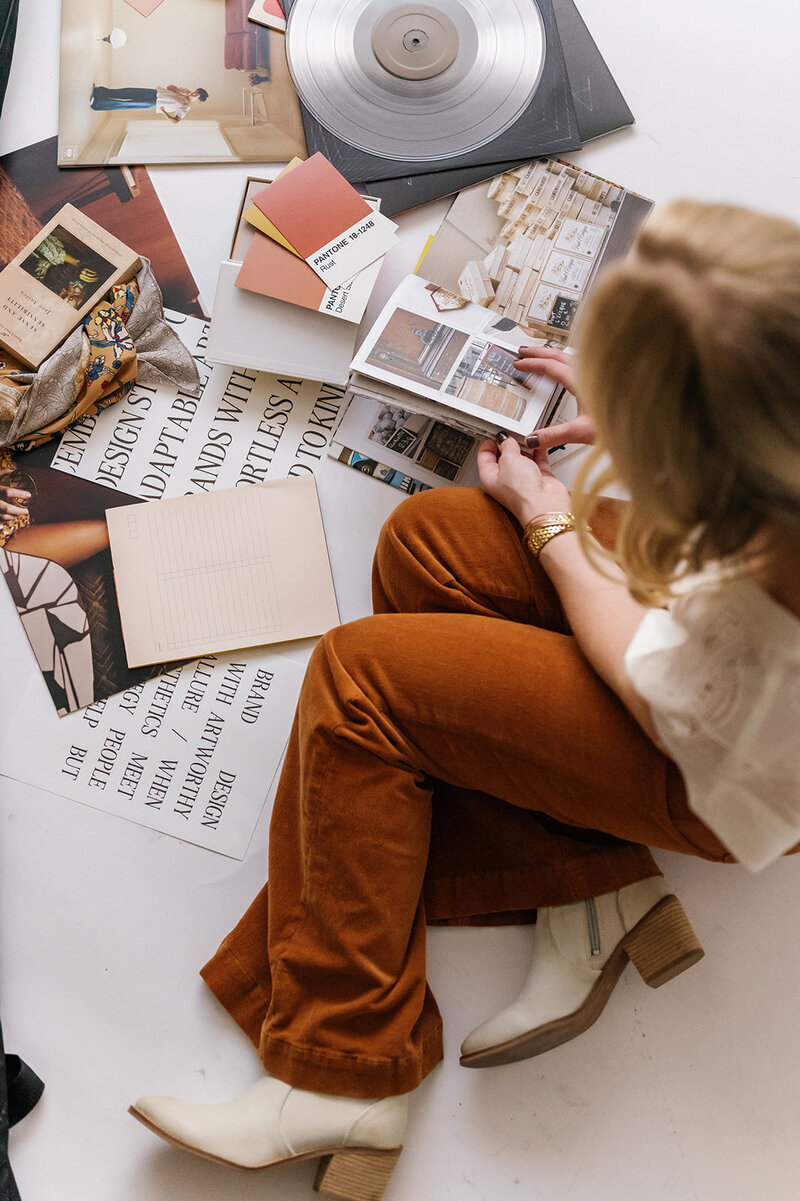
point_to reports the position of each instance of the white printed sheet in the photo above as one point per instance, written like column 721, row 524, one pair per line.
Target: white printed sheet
column 192, row 753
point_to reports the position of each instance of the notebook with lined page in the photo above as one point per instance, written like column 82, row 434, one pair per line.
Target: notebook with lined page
column 218, row 571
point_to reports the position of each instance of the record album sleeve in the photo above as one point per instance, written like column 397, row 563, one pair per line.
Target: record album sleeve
column 547, row 126
column 600, row 108
column 194, row 82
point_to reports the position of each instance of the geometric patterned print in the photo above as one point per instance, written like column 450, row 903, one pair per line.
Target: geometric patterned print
column 55, row 623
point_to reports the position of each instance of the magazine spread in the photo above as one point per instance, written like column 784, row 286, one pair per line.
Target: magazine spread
column 445, row 349
column 411, row 450
column 191, row 754
column 407, row 443
column 511, row 265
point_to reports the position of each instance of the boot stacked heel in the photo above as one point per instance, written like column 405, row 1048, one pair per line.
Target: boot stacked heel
column 356, row 1175
column 663, row 944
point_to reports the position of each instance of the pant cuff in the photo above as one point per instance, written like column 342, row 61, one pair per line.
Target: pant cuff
column 514, row 890
column 344, row 1075
column 245, row 998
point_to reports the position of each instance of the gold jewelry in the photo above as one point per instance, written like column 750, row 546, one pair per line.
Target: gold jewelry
column 11, row 523
column 541, row 529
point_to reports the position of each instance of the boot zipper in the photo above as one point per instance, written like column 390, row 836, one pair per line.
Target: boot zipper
column 593, row 925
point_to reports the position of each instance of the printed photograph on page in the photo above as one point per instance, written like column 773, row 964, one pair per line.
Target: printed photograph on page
column 446, row 356
column 58, row 570
column 381, row 472
column 184, row 81
column 526, row 244
column 405, row 448
column 432, row 445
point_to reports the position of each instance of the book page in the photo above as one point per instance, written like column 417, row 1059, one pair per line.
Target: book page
column 406, row 444
column 236, row 568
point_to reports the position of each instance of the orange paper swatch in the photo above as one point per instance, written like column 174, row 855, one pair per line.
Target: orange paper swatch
column 327, row 222
column 312, row 204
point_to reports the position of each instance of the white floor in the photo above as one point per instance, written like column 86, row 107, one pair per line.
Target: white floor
column 685, row 1094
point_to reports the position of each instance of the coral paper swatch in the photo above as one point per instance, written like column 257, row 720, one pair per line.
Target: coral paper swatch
column 271, row 270
column 326, row 221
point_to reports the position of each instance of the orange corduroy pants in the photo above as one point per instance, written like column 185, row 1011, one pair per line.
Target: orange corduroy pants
column 452, row 757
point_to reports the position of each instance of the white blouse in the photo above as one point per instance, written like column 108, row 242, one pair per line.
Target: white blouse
column 720, row 670
column 176, row 106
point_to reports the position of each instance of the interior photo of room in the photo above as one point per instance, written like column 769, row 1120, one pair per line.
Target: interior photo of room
column 251, row 111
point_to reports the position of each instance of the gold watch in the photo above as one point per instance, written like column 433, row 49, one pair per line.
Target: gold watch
column 541, row 529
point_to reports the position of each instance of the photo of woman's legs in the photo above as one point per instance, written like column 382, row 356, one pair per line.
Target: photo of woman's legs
column 81, row 646
column 391, row 703
column 471, row 688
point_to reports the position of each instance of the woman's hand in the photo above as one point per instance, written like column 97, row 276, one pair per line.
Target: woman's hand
column 560, row 368
column 7, row 498
column 525, row 486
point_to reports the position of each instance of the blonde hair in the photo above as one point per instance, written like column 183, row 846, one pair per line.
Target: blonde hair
column 689, row 364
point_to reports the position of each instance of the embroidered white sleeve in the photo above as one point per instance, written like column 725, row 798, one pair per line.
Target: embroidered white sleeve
column 721, row 673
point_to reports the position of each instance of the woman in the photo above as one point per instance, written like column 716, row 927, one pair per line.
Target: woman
column 530, row 685
column 54, row 554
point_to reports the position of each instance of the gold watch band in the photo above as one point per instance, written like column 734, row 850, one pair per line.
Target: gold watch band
column 541, row 529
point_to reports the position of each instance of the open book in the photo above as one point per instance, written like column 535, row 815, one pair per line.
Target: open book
column 511, row 265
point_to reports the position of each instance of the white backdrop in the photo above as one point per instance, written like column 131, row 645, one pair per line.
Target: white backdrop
column 686, row 1094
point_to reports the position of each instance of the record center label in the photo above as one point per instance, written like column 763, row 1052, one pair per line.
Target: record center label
column 355, row 248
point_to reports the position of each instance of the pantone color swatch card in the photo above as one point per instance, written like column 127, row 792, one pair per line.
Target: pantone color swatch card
column 326, row 221
column 271, row 270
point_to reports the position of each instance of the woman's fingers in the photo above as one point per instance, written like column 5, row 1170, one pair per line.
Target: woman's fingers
column 543, row 463
column 544, row 352
column 9, row 510
column 510, row 448
column 7, row 495
column 580, row 430
column 488, row 452
column 495, row 459
column 554, row 369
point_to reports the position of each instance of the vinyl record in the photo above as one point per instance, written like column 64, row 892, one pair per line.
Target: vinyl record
column 422, row 81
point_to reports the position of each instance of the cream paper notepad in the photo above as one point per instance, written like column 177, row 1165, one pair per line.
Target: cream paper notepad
column 221, row 570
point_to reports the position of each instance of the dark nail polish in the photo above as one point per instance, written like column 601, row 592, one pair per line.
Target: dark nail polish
column 500, row 437
column 532, row 441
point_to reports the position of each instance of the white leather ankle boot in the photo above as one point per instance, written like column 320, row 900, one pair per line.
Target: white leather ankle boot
column 272, row 1123
column 580, row 951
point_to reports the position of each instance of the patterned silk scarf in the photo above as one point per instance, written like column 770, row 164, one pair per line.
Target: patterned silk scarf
column 105, row 374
